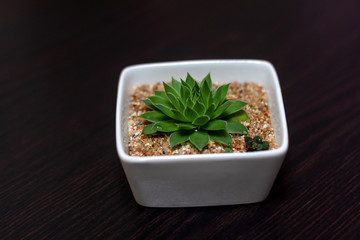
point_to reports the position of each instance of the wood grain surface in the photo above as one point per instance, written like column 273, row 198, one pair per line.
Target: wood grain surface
column 60, row 177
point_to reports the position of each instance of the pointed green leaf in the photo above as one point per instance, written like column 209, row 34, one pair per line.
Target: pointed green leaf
column 221, row 109
column 184, row 94
column 190, row 80
column 220, row 94
column 175, row 102
column 165, row 126
column 228, row 150
column 240, row 116
column 160, row 94
column 234, row 107
column 175, row 84
column 201, row 120
column 199, row 108
column 160, row 100
column 164, row 109
column 236, row 127
column 149, row 104
column 149, row 129
column 190, row 114
column 179, row 137
column 196, row 88
column 179, row 116
column 190, row 103
column 208, row 81
column 185, row 84
column 186, row 126
column 198, row 98
column 215, row 125
column 205, row 93
column 154, row 116
column 182, row 106
column 211, row 99
column 200, row 139
column 221, row 137
column 170, row 89
column 210, row 111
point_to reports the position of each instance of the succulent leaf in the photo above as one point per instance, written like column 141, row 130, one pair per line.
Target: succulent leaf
column 220, row 94
column 175, row 84
column 234, row 107
column 186, row 84
column 240, row 116
column 208, row 81
column 190, row 103
column 179, row 116
column 205, row 93
column 221, row 109
column 190, row 114
column 228, row 150
column 210, row 111
column 149, row 104
column 167, row 111
column 160, row 100
column 165, row 126
column 200, row 139
column 211, row 99
column 236, row 127
column 196, row 98
column 173, row 100
column 149, row 129
column 184, row 94
column 221, row 137
column 160, row 94
column 170, row 89
column 186, row 126
column 190, row 80
column 154, row 116
column 199, row 108
column 196, row 89
column 201, row 120
column 179, row 137
column 215, row 125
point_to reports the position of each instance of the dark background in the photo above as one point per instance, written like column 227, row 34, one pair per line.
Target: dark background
column 60, row 177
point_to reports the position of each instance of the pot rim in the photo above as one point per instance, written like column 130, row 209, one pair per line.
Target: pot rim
column 243, row 156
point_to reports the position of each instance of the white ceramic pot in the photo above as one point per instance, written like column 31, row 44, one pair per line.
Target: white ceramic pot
column 202, row 179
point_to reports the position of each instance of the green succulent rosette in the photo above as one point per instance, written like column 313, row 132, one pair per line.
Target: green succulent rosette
column 195, row 112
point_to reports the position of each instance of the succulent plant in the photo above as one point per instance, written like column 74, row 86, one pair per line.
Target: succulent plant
column 195, row 112
column 256, row 144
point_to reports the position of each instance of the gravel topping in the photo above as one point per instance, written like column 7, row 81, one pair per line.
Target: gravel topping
column 258, row 124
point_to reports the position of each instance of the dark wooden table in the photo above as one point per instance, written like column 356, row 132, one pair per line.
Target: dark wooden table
column 60, row 177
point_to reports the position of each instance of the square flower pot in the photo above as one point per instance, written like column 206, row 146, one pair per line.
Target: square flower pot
column 202, row 179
